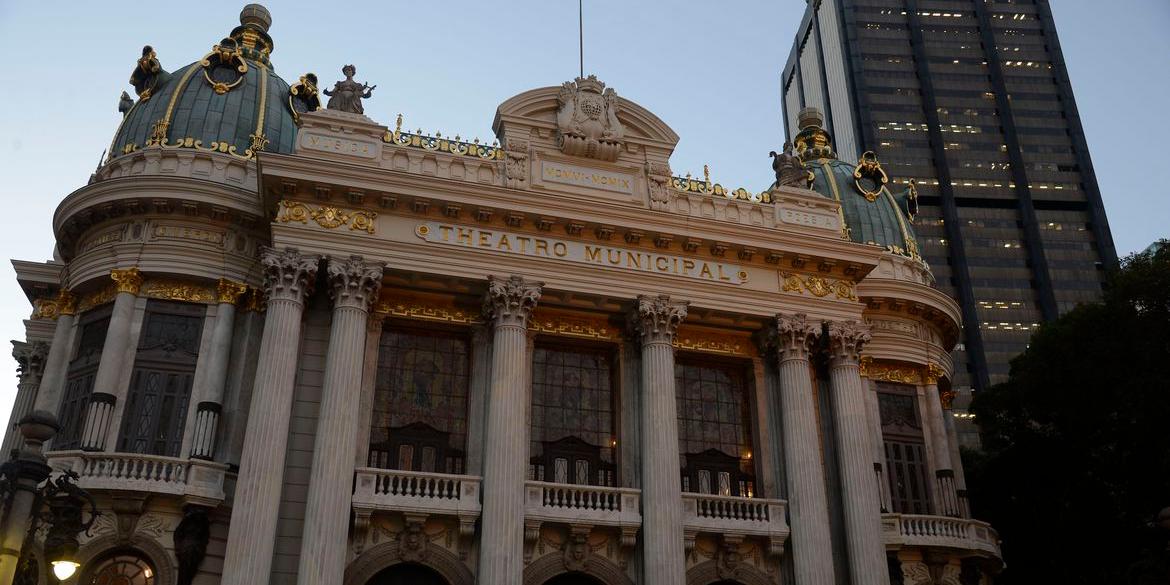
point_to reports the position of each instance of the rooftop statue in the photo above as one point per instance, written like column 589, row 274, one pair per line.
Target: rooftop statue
column 790, row 170
column 587, row 119
column 124, row 104
column 148, row 73
column 346, row 96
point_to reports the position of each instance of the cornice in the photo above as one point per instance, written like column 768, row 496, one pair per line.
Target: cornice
column 401, row 190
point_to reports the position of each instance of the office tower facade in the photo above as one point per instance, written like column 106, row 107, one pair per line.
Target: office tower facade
column 971, row 100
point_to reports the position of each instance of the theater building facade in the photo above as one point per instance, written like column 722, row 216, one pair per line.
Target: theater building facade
column 287, row 343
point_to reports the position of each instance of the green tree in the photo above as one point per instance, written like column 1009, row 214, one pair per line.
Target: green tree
column 1076, row 457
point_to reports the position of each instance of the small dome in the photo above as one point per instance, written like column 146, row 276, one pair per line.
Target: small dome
column 231, row 100
column 871, row 212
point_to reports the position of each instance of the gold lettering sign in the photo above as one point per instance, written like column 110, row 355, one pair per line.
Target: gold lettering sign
column 585, row 177
column 580, row 252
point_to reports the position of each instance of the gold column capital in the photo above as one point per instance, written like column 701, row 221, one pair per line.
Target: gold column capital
column 66, row 303
column 230, row 291
column 127, row 280
column 933, row 373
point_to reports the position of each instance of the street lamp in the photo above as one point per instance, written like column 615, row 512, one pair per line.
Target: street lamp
column 32, row 499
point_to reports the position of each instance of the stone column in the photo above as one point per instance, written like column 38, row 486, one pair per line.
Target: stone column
column 57, row 363
column 354, row 286
column 863, row 534
column 946, row 398
column 656, row 322
column 508, row 305
column 218, row 355
column 947, row 498
column 30, row 358
column 289, row 278
column 107, row 388
column 29, row 470
column 808, row 508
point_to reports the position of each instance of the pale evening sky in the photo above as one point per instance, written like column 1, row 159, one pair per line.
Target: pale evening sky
column 711, row 70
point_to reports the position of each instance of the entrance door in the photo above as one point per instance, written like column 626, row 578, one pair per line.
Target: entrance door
column 408, row 574
column 573, row 579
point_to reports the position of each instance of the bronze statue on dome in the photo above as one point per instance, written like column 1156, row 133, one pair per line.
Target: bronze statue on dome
column 790, row 170
column 346, row 96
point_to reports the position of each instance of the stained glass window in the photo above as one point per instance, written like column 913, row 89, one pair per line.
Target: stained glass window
column 420, row 401
column 79, row 384
column 160, row 385
column 905, row 447
column 714, row 428
column 572, row 415
column 713, row 411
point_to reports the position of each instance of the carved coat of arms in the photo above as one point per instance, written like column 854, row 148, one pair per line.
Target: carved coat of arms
column 587, row 119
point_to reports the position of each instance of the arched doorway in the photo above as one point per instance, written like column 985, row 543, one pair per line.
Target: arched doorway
column 408, row 574
column 573, row 579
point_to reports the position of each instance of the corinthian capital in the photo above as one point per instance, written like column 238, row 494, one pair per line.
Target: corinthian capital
column 846, row 339
column 657, row 318
column 510, row 301
column 30, row 358
column 796, row 336
column 127, row 280
column 353, row 282
column 287, row 274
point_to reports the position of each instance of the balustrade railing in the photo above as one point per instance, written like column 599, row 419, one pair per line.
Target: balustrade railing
column 192, row 478
column 558, row 502
column 416, row 491
column 939, row 531
column 736, row 516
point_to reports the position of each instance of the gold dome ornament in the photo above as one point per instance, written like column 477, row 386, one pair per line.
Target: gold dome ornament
column 869, row 177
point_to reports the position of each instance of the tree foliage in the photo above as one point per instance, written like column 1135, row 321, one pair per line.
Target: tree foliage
column 1076, row 458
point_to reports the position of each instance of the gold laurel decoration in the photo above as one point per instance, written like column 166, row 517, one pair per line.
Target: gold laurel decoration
column 328, row 216
column 46, row 308
column 711, row 342
column 425, row 309
column 818, row 286
column 897, row 373
column 574, row 326
column 179, row 290
column 97, row 298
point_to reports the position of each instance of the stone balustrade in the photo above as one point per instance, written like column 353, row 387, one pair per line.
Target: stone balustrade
column 416, row 492
column 195, row 480
column 582, row 504
column 900, row 530
column 735, row 516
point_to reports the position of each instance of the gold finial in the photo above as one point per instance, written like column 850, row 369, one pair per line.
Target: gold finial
column 706, row 174
column 398, row 125
column 438, row 134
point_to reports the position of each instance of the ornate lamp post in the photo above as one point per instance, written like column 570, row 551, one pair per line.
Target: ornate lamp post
column 31, row 499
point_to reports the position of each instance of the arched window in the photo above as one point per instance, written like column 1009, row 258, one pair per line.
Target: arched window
column 407, row 574
column 160, row 385
column 572, row 434
column 714, row 428
column 419, row 421
column 122, row 568
column 79, row 380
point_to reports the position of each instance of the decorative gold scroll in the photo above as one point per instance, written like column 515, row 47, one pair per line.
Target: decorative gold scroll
column 714, row 342
column 817, row 286
column 327, row 216
column 900, row 372
column 581, row 326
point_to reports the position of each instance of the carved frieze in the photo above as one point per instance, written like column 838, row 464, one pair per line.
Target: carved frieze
column 817, row 286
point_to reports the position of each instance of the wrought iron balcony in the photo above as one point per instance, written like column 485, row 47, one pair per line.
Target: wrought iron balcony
column 195, row 480
column 899, row 530
column 735, row 516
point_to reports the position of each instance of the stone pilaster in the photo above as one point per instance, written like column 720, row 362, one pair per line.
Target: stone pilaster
column 219, row 354
column 49, row 393
column 508, row 306
column 289, row 278
column 867, row 553
column 808, row 509
column 30, row 358
column 107, row 389
column 656, row 321
column 354, row 286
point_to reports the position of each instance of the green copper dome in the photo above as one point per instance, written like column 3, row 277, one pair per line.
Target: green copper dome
column 871, row 213
column 230, row 101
